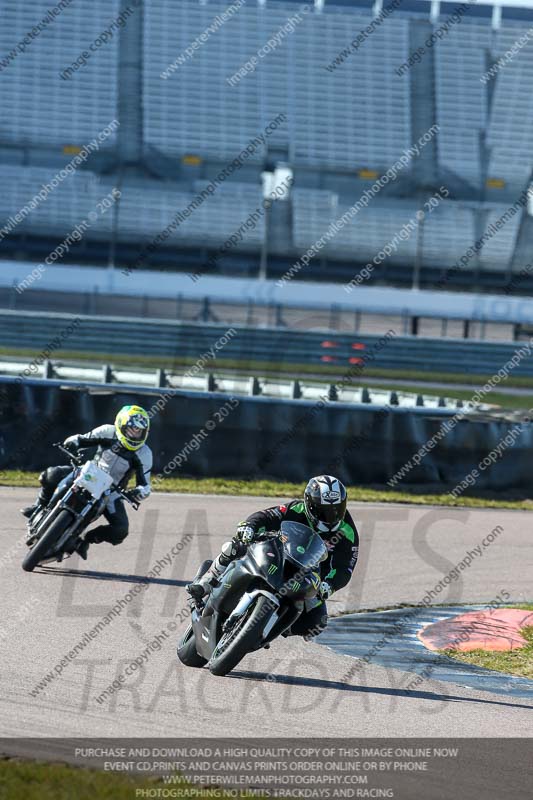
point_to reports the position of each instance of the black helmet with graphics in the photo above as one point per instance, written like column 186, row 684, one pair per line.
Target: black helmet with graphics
column 325, row 503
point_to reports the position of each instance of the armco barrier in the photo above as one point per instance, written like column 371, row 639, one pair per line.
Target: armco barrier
column 172, row 340
column 263, row 437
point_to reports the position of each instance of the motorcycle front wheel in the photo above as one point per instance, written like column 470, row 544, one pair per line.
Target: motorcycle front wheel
column 242, row 637
column 43, row 545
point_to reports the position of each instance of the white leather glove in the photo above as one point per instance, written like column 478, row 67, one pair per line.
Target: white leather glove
column 143, row 491
column 139, row 493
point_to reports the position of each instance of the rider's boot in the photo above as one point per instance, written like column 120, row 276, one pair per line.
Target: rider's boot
column 29, row 511
column 204, row 585
column 40, row 503
column 201, row 587
column 82, row 548
column 43, row 498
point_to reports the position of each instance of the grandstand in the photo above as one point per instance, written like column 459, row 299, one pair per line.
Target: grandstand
column 184, row 115
column 41, row 115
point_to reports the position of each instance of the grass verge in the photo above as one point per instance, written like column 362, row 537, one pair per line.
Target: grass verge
column 512, row 662
column 28, row 780
column 270, row 488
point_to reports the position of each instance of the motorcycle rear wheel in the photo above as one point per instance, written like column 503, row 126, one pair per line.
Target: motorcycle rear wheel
column 47, row 541
column 187, row 650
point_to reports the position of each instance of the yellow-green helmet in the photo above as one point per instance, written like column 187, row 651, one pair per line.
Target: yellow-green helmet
column 132, row 426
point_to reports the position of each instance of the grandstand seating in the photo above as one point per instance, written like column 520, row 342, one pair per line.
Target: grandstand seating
column 357, row 115
column 461, row 101
column 449, row 231
column 497, row 252
column 146, row 210
column 357, row 118
column 510, row 129
column 467, row 109
column 65, row 207
column 39, row 108
column 365, row 235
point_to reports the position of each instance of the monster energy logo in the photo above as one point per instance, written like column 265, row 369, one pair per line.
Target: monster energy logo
column 272, row 569
column 295, row 585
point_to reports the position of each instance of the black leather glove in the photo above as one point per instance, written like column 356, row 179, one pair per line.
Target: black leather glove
column 71, row 444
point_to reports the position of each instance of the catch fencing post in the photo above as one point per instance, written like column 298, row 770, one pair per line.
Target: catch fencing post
column 13, row 296
column 250, row 312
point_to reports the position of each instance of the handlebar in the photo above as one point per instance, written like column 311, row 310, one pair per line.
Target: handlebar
column 77, row 461
column 72, row 456
column 133, row 503
column 264, row 537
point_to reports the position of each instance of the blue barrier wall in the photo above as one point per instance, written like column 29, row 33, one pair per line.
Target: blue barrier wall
column 213, row 434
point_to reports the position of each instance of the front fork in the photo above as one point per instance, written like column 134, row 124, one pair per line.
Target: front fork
column 88, row 513
column 47, row 514
column 288, row 617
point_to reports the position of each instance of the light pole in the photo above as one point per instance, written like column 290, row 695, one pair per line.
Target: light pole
column 419, row 247
column 276, row 185
column 264, row 247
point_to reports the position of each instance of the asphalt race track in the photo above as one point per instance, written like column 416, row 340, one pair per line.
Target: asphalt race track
column 294, row 688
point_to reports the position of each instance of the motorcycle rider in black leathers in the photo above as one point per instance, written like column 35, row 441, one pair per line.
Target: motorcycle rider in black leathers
column 123, row 453
column 324, row 510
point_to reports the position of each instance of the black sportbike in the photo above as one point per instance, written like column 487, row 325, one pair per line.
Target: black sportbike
column 257, row 598
column 79, row 500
